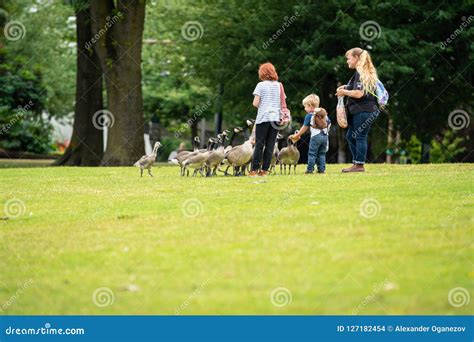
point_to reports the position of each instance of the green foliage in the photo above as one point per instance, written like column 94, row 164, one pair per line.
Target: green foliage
column 25, row 131
column 169, row 144
column 22, row 127
column 413, row 148
column 446, row 150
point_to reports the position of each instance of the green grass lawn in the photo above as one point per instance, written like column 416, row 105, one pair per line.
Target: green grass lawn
column 394, row 240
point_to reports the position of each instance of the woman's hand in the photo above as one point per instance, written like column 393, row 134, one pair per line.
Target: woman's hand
column 341, row 91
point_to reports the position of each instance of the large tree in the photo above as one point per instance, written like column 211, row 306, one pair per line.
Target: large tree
column 119, row 29
column 86, row 146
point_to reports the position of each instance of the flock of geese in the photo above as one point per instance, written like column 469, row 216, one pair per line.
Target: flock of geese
column 220, row 155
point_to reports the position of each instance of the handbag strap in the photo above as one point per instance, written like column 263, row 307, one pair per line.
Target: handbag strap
column 282, row 97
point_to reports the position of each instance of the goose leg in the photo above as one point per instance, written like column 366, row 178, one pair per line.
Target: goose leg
column 149, row 172
column 281, row 169
column 141, row 172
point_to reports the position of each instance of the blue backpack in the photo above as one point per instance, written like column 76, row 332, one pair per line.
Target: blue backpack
column 381, row 94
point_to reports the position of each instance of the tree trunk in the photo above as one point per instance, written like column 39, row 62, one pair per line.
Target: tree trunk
column 86, row 147
column 388, row 156
column 341, row 145
column 220, row 106
column 119, row 45
column 425, row 150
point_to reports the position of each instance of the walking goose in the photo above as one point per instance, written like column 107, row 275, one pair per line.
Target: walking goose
column 181, row 156
column 147, row 161
column 197, row 159
column 289, row 156
column 215, row 156
column 276, row 151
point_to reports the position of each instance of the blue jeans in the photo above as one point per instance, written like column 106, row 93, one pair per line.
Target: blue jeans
column 317, row 152
column 357, row 134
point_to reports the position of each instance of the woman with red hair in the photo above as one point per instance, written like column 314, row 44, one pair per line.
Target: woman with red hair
column 267, row 100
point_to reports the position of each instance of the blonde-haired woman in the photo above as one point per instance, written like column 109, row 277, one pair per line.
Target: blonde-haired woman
column 361, row 105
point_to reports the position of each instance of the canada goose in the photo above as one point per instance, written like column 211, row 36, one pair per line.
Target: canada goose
column 289, row 156
column 215, row 156
column 197, row 159
column 181, row 156
column 249, row 124
column 237, row 130
column 241, row 155
column 147, row 161
column 276, row 151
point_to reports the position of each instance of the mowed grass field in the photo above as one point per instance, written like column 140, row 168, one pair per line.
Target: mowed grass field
column 394, row 240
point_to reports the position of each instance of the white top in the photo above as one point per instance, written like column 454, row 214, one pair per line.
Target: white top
column 269, row 107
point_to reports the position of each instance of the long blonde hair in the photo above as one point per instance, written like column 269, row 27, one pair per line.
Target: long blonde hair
column 365, row 68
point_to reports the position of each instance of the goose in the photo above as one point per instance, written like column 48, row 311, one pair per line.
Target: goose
column 147, row 161
column 196, row 151
column 181, row 156
column 196, row 160
column 276, row 151
column 289, row 156
column 240, row 156
column 237, row 130
column 215, row 156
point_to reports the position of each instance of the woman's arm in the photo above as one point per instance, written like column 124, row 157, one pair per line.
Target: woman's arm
column 256, row 101
column 351, row 93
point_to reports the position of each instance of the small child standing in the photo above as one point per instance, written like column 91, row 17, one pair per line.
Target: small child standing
column 318, row 121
